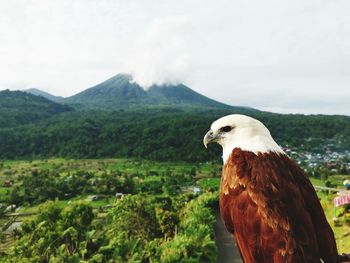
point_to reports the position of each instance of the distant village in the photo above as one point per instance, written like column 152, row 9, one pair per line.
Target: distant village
column 336, row 162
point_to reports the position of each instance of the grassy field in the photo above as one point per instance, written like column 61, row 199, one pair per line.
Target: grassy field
column 145, row 171
column 205, row 175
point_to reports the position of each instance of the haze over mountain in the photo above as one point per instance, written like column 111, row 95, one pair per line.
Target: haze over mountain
column 121, row 92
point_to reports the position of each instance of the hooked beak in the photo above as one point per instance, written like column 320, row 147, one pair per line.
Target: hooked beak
column 208, row 138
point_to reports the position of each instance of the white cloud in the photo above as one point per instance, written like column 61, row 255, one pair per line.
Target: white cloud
column 159, row 55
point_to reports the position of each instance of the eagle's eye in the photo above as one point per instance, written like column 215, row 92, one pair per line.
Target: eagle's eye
column 226, row 129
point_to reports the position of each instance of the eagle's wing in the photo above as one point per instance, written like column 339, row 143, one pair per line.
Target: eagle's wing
column 325, row 237
column 263, row 200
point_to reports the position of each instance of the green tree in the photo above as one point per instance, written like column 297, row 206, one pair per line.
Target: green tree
column 56, row 235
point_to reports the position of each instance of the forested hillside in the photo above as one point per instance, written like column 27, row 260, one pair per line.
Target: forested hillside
column 160, row 134
column 18, row 108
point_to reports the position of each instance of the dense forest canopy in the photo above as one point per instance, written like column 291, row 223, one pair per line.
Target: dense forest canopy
column 161, row 133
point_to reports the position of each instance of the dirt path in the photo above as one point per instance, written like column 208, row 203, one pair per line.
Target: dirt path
column 227, row 250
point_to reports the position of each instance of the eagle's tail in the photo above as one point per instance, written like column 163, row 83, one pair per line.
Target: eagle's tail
column 344, row 257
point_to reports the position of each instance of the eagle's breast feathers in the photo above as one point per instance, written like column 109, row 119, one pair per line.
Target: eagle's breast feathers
column 262, row 203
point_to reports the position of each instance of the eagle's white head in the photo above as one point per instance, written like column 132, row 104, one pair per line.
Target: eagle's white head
column 240, row 131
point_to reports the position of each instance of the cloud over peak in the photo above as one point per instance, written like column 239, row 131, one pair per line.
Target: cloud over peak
column 159, row 55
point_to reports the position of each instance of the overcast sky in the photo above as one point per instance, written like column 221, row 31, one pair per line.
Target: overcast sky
column 276, row 55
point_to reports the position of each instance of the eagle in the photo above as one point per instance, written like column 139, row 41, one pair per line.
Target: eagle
column 266, row 200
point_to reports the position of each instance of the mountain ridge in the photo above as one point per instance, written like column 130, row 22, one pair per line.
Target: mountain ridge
column 47, row 95
column 120, row 91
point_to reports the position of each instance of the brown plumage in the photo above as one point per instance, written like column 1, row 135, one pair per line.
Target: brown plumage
column 271, row 207
column 266, row 200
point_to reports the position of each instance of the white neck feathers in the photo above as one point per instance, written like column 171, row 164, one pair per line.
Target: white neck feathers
column 246, row 133
column 256, row 144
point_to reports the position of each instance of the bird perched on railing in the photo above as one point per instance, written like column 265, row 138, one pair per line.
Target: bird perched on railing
column 266, row 200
